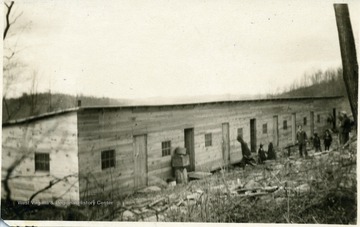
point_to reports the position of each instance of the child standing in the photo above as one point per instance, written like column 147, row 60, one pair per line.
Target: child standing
column 327, row 140
column 261, row 155
column 317, row 144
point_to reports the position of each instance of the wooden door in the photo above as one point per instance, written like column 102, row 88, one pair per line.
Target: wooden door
column 276, row 131
column 189, row 145
column 140, row 161
column 293, row 127
column 226, row 143
column 312, row 123
column 253, row 135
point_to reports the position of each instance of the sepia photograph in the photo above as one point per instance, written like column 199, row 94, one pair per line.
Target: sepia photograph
column 167, row 111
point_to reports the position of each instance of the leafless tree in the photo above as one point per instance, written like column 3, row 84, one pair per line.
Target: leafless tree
column 11, row 64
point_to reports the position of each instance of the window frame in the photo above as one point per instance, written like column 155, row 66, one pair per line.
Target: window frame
column 165, row 148
column 242, row 132
column 42, row 162
column 264, row 128
column 208, row 139
column 285, row 126
column 108, row 159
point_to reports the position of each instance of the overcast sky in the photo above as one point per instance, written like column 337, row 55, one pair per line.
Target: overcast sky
column 136, row 49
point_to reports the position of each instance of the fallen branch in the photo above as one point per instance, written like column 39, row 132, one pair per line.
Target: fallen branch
column 156, row 202
column 266, row 189
column 254, row 194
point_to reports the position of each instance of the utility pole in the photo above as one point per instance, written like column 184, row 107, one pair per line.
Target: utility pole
column 348, row 55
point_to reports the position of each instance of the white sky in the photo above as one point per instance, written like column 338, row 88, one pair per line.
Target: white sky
column 137, row 49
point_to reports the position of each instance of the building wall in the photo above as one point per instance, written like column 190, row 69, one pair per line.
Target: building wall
column 113, row 128
column 56, row 136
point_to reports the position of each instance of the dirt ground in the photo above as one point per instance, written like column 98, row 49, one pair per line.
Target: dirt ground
column 319, row 189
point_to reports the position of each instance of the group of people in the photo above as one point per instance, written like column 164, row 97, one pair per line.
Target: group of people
column 327, row 141
column 345, row 128
column 302, row 140
column 266, row 155
column 262, row 154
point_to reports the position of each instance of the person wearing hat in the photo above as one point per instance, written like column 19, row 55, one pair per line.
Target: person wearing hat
column 345, row 128
column 261, row 155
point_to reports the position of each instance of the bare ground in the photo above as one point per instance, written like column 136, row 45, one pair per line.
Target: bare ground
column 319, row 189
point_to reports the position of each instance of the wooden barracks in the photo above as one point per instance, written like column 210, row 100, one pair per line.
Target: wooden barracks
column 115, row 150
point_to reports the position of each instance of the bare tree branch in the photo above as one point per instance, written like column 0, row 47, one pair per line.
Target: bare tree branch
column 50, row 185
column 8, row 23
column 17, row 17
column 9, row 171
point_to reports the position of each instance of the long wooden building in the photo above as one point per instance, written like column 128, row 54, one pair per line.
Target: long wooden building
column 92, row 151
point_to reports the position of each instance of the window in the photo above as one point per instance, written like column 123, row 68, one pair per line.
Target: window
column 107, row 159
column 42, row 162
column 318, row 118
column 305, row 121
column 208, row 140
column 166, row 148
column 264, row 128
column 240, row 132
column 285, row 124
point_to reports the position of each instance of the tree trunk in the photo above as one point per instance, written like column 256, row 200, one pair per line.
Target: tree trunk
column 348, row 55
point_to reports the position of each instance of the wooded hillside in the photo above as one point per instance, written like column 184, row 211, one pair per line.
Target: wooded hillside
column 31, row 105
column 327, row 83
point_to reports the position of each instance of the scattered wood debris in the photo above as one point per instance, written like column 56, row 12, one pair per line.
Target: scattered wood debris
column 198, row 175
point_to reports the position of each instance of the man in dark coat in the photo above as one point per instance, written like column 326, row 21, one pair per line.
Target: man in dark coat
column 345, row 128
column 301, row 141
column 246, row 153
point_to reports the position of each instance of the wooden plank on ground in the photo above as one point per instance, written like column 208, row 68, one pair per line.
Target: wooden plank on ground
column 198, row 175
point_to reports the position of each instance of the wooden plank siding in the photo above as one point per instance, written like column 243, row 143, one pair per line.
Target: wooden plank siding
column 56, row 136
column 102, row 129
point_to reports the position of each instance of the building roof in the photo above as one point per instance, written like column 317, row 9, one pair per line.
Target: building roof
column 60, row 112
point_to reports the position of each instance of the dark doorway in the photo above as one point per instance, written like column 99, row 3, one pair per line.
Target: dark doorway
column 189, row 145
column 312, row 123
column 253, row 135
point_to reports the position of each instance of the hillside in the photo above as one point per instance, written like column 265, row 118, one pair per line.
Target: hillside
column 328, row 83
column 328, row 88
column 30, row 105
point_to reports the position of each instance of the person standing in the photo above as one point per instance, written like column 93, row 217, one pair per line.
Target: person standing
column 271, row 152
column 301, row 141
column 261, row 155
column 327, row 140
column 317, row 143
column 345, row 128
